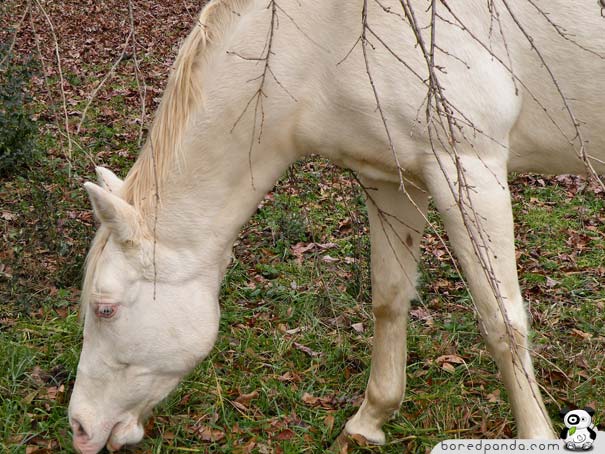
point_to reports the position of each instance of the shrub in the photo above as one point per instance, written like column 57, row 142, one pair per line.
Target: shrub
column 18, row 132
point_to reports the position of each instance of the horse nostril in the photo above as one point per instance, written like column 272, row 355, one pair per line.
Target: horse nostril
column 79, row 431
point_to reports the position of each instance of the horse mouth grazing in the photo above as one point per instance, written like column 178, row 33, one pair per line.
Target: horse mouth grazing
column 111, row 447
column 119, row 435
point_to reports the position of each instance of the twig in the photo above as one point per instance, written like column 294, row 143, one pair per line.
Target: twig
column 576, row 124
column 141, row 85
column 440, row 117
column 61, row 83
column 105, row 79
column 561, row 31
column 16, row 32
column 257, row 97
column 364, row 44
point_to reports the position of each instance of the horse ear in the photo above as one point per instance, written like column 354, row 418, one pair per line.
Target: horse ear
column 108, row 180
column 114, row 212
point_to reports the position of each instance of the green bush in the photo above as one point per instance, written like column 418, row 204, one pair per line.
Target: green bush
column 18, row 132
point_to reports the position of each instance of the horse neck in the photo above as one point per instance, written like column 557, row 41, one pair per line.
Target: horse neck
column 218, row 184
column 232, row 151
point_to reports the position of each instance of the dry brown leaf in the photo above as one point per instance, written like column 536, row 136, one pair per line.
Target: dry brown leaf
column 580, row 333
column 420, row 313
column 454, row 359
column 246, row 398
column 327, row 402
column 448, row 368
column 329, row 422
column 494, row 396
column 309, row 399
column 307, row 350
column 290, row 377
column 207, row 433
column 294, row 330
column 359, row 439
column 551, row 283
column 54, row 392
column 358, row 327
column 286, row 434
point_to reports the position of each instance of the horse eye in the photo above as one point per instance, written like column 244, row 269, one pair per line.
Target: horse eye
column 105, row 310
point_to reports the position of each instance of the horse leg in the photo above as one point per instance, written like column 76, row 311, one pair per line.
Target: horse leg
column 396, row 226
column 488, row 261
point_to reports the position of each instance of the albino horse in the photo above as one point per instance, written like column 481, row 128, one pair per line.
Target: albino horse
column 258, row 85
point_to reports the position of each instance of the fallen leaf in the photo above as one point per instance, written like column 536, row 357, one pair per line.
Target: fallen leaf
column 246, row 398
column 329, row 422
column 582, row 334
column 207, row 433
column 309, row 399
column 448, row 368
column 550, row 283
column 455, row 359
column 307, row 350
column 358, row 327
column 294, row 330
column 327, row 402
column 494, row 396
column 420, row 313
column 359, row 439
column 300, row 248
column 286, row 434
column 55, row 392
column 290, row 377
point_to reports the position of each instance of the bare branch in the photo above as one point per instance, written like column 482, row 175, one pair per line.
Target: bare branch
column 261, row 92
column 562, row 32
column 61, row 82
column 102, row 82
column 141, row 85
column 364, row 45
column 15, row 33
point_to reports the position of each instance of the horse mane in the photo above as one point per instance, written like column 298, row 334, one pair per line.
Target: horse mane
column 162, row 149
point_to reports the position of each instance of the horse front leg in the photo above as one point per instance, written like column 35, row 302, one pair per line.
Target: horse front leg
column 473, row 198
column 396, row 226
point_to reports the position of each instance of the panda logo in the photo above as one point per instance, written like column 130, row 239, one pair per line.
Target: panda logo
column 579, row 431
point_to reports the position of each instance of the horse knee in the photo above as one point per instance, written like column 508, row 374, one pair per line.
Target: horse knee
column 391, row 298
column 391, row 303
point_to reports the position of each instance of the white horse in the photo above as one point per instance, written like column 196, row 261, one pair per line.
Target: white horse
column 257, row 85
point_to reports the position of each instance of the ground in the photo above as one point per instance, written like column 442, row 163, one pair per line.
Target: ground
column 293, row 355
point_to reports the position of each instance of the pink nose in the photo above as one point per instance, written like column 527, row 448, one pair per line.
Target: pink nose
column 82, row 438
column 79, row 431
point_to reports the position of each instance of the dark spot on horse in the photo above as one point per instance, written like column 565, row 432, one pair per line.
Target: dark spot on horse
column 409, row 240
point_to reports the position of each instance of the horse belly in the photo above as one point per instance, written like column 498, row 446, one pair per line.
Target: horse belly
column 548, row 142
column 538, row 145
